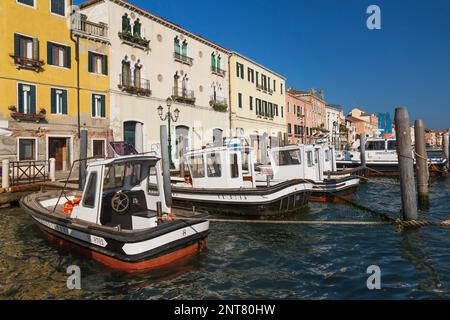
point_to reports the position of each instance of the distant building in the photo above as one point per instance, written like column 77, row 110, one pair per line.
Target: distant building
column 364, row 122
column 333, row 124
column 296, row 110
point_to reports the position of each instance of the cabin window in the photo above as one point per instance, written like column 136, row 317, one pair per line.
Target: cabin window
column 309, row 157
column 135, row 172
column 392, row 145
column 113, row 177
column 288, row 158
column 234, row 167
column 327, row 155
column 153, row 182
column 316, row 157
column 375, row 145
column 91, row 190
column 245, row 161
column 197, row 166
column 213, row 165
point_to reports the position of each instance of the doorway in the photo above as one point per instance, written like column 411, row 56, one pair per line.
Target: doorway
column 58, row 148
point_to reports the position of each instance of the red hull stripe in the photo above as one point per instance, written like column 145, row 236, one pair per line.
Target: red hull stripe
column 330, row 198
column 153, row 263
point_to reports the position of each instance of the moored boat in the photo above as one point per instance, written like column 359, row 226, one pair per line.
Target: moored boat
column 222, row 180
column 121, row 218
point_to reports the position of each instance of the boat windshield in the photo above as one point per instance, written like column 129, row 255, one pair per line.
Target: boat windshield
column 392, row 145
column 197, row 165
column 287, row 158
column 375, row 145
column 115, row 175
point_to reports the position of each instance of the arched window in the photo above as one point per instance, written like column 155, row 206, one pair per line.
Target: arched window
column 137, row 28
column 217, row 137
column 181, row 134
column 176, row 43
column 126, row 26
column 137, row 75
column 133, row 134
column 213, row 61
column 126, row 73
column 176, row 84
column 218, row 62
column 184, row 49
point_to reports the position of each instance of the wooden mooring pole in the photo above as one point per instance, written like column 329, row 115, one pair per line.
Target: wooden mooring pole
column 362, row 149
column 421, row 165
column 445, row 145
column 165, row 165
column 406, row 165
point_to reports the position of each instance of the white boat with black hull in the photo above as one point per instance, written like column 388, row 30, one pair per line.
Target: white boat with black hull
column 121, row 218
column 222, row 180
column 381, row 156
column 314, row 163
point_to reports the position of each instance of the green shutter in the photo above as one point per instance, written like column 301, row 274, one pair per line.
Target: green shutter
column 184, row 49
column 213, row 60
column 20, row 97
column 33, row 99
column 218, row 62
column 105, row 65
column 64, row 106
column 90, row 62
column 49, row 53
column 17, row 52
column 68, row 62
column 53, row 101
column 103, row 108
column 35, row 49
column 93, row 105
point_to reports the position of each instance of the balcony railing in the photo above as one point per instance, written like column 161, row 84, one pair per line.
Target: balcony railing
column 259, row 86
column 135, row 86
column 218, row 71
column 183, row 58
column 27, row 63
column 134, row 40
column 183, row 95
column 19, row 116
column 81, row 26
column 218, row 103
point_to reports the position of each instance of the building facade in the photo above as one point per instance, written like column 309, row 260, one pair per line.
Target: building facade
column 153, row 59
column 42, row 97
column 333, row 124
column 257, row 99
column 296, row 110
column 364, row 122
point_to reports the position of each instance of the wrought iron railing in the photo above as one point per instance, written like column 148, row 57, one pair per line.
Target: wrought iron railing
column 183, row 58
column 135, row 85
column 82, row 25
column 218, row 71
column 28, row 172
column 183, row 95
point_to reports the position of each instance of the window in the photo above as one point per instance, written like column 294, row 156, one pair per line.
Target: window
column 113, row 177
column 240, row 70
column 250, row 103
column 258, row 107
column 234, row 168
column 126, row 25
column 264, row 81
column 251, row 75
column 392, row 145
column 375, row 145
column 98, row 148
column 58, row 55
column 264, row 106
column 276, row 109
column 240, row 100
column 91, row 190
column 327, row 155
column 257, row 78
column 176, row 44
column 58, row 7
column 213, row 60
column 58, row 101
column 153, row 182
column 281, row 88
column 26, row 98
column 26, row 47
column 282, row 111
column 270, row 108
column 98, row 106
column 97, row 63
column 288, row 158
column 213, row 165
column 27, row 149
column 309, row 156
column 137, row 28
column 289, row 128
column 27, row 2
column 197, row 165
column 274, row 85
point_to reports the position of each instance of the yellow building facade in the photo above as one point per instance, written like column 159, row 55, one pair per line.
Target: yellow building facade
column 257, row 103
column 54, row 82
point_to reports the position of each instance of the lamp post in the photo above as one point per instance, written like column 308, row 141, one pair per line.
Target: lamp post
column 169, row 117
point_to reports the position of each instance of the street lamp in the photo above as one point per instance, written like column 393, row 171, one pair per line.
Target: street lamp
column 169, row 117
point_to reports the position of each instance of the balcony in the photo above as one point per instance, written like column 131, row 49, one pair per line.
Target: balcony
column 218, row 103
column 139, row 87
column 270, row 91
column 134, row 40
column 27, row 63
column 22, row 116
column 182, row 95
column 183, row 58
column 217, row 71
column 260, row 87
column 89, row 30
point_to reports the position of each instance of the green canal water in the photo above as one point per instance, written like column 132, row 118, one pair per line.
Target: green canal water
column 253, row 261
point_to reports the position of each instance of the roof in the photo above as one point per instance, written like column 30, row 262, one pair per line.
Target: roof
column 158, row 19
column 259, row 65
column 304, row 93
column 353, row 119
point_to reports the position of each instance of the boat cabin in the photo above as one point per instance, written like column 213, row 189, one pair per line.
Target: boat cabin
column 123, row 192
column 222, row 167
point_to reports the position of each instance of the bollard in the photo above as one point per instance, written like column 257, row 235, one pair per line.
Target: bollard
column 165, row 165
column 406, row 165
column 445, row 145
column 83, row 156
column 421, row 165
column 5, row 174
column 52, row 170
column 362, row 149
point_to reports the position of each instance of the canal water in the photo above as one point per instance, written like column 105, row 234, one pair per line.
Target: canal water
column 254, row 261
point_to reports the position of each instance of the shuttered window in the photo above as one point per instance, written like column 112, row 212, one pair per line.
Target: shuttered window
column 58, row 55
column 26, row 98
column 58, row 7
column 26, row 47
column 98, row 106
column 251, row 103
column 97, row 63
column 58, row 101
column 27, row 2
column 240, row 100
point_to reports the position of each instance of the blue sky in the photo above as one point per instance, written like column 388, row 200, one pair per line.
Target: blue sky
column 326, row 44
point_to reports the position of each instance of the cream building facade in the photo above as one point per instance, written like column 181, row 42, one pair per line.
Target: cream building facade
column 257, row 99
column 153, row 59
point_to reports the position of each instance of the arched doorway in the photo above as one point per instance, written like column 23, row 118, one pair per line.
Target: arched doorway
column 133, row 134
column 217, row 137
column 181, row 134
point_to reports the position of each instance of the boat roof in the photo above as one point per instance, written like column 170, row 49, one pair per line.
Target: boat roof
column 296, row 146
column 218, row 149
column 125, row 159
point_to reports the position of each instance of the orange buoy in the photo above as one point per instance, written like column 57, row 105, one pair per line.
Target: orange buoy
column 68, row 207
column 76, row 201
